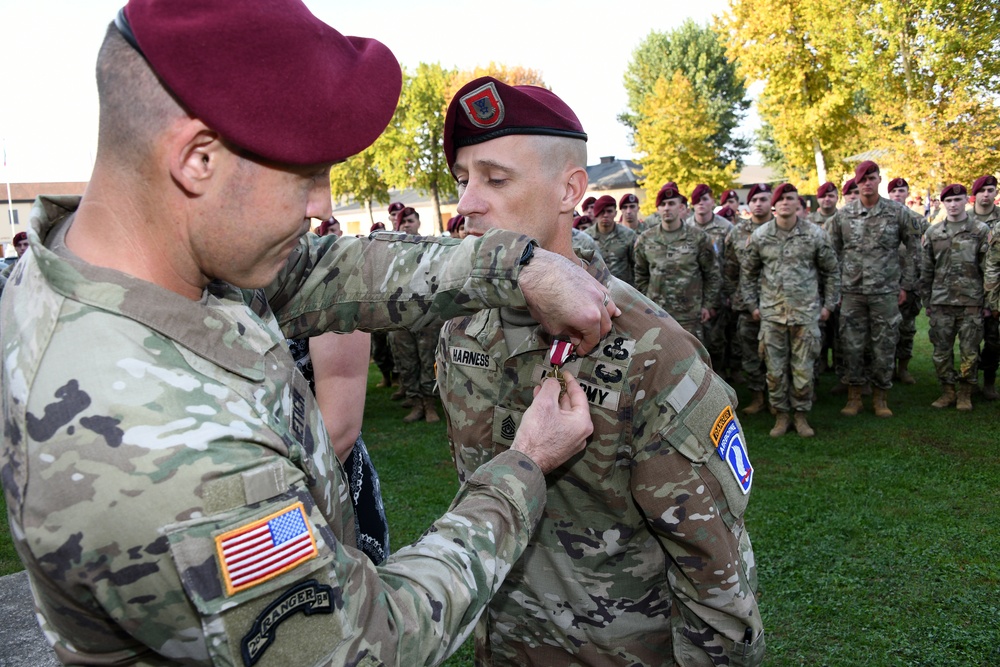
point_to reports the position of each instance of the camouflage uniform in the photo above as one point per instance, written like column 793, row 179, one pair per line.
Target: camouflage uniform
column 414, row 355
column 617, row 250
column 910, row 308
column 748, row 330
column 642, row 556
column 651, row 221
column 718, row 229
column 584, row 245
column 678, row 272
column 952, row 261
column 989, row 360
column 132, row 465
column 867, row 242
column 781, row 276
column 828, row 330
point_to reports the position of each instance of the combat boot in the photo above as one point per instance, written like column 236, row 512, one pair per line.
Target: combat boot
column 964, row 402
column 398, row 394
column 781, row 424
column 853, row 406
column 756, row 405
column 839, row 388
column 409, row 401
column 946, row 398
column 989, row 386
column 903, row 372
column 430, row 414
column 416, row 414
column 802, row 426
column 879, row 404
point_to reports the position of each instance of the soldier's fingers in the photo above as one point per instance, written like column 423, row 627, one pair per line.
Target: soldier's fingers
column 575, row 398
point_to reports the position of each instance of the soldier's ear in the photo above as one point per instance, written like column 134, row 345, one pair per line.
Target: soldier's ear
column 194, row 152
column 574, row 188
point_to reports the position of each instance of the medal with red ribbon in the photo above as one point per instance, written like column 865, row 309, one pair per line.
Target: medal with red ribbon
column 559, row 354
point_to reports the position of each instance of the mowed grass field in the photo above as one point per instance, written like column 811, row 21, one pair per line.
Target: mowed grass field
column 877, row 541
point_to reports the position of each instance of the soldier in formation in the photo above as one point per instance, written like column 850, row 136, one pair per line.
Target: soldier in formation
column 616, row 242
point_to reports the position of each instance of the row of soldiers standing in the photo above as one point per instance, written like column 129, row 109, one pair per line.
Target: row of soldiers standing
column 770, row 294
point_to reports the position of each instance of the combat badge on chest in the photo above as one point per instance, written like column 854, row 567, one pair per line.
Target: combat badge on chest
column 601, row 374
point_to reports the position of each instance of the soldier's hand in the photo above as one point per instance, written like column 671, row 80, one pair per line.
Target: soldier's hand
column 902, row 297
column 554, row 427
column 755, row 315
column 566, row 300
column 824, row 315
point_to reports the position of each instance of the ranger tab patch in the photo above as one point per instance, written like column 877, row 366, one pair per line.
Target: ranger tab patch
column 265, row 548
column 731, row 449
column 310, row 597
column 483, row 106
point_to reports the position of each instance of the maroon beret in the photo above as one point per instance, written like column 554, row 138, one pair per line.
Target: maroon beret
column 582, row 220
column 863, row 169
column 587, row 202
column 824, row 189
column 729, row 194
column 727, row 213
column 848, row 186
column 20, row 236
column 668, row 191
column 402, row 213
column 897, row 182
column 780, row 191
column 954, row 190
column 984, row 181
column 324, row 227
column 628, row 199
column 396, row 206
column 758, row 188
column 486, row 108
column 602, row 203
column 700, row 191
column 268, row 75
column 454, row 222
column 378, row 226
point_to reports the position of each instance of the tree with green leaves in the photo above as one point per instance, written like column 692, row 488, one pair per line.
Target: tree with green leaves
column 363, row 177
column 673, row 138
column 697, row 52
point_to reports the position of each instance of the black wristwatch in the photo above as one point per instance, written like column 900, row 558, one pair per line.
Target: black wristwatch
column 528, row 253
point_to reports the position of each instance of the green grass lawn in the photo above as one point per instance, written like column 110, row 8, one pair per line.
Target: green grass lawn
column 877, row 541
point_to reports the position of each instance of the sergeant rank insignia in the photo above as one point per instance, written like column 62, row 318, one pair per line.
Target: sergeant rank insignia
column 483, row 106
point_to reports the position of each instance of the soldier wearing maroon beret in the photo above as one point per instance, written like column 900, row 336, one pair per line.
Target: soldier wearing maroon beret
column 866, row 234
column 985, row 210
column 616, row 242
column 186, row 504
column 747, row 329
column 629, row 207
column 588, row 206
column 827, row 196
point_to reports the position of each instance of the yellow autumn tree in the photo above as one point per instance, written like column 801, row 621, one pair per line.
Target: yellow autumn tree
column 673, row 138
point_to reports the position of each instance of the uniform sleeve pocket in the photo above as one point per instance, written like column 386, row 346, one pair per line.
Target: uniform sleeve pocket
column 259, row 577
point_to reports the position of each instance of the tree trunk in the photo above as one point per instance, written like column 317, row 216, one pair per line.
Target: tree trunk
column 436, row 200
column 820, row 162
column 368, row 209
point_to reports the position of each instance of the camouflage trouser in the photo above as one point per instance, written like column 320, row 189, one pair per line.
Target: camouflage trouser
column 715, row 339
column 753, row 366
column 695, row 328
column 947, row 323
column 908, row 325
column 990, row 358
column 789, row 352
column 414, row 354
column 733, row 350
column 869, row 321
column 381, row 352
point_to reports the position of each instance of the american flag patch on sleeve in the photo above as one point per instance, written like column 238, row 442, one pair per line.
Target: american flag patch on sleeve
column 261, row 550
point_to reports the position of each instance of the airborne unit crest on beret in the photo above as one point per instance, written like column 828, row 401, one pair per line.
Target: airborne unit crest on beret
column 483, row 106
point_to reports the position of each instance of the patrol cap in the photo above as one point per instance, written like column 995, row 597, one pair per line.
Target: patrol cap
column 486, row 108
column 954, row 190
column 898, row 182
column 267, row 75
column 700, row 191
column 602, row 203
column 668, row 191
column 628, row 199
column 587, row 202
column 863, row 169
column 729, row 194
column 758, row 188
column 396, row 207
column 20, row 236
column 781, row 190
column 983, row 182
column 825, row 189
column 848, row 186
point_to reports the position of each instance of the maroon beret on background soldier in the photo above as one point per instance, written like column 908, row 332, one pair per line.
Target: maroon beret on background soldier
column 954, row 190
column 402, row 213
column 824, row 189
column 700, row 191
column 984, row 182
column 378, row 227
column 602, row 203
column 668, row 191
column 729, row 194
column 210, row 76
column 628, row 199
column 582, row 220
column 486, row 109
column 454, row 222
column 758, row 188
column 20, row 236
column 898, row 182
column 863, row 169
column 589, row 201
column 780, row 191
column 848, row 186
column 395, row 207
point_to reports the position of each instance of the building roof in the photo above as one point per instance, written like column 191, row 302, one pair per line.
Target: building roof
column 613, row 174
column 755, row 173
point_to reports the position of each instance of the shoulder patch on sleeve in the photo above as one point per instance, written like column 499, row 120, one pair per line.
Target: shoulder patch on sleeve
column 263, row 549
column 310, row 597
column 731, row 449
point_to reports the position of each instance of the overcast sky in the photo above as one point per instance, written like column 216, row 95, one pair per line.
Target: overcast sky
column 48, row 105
